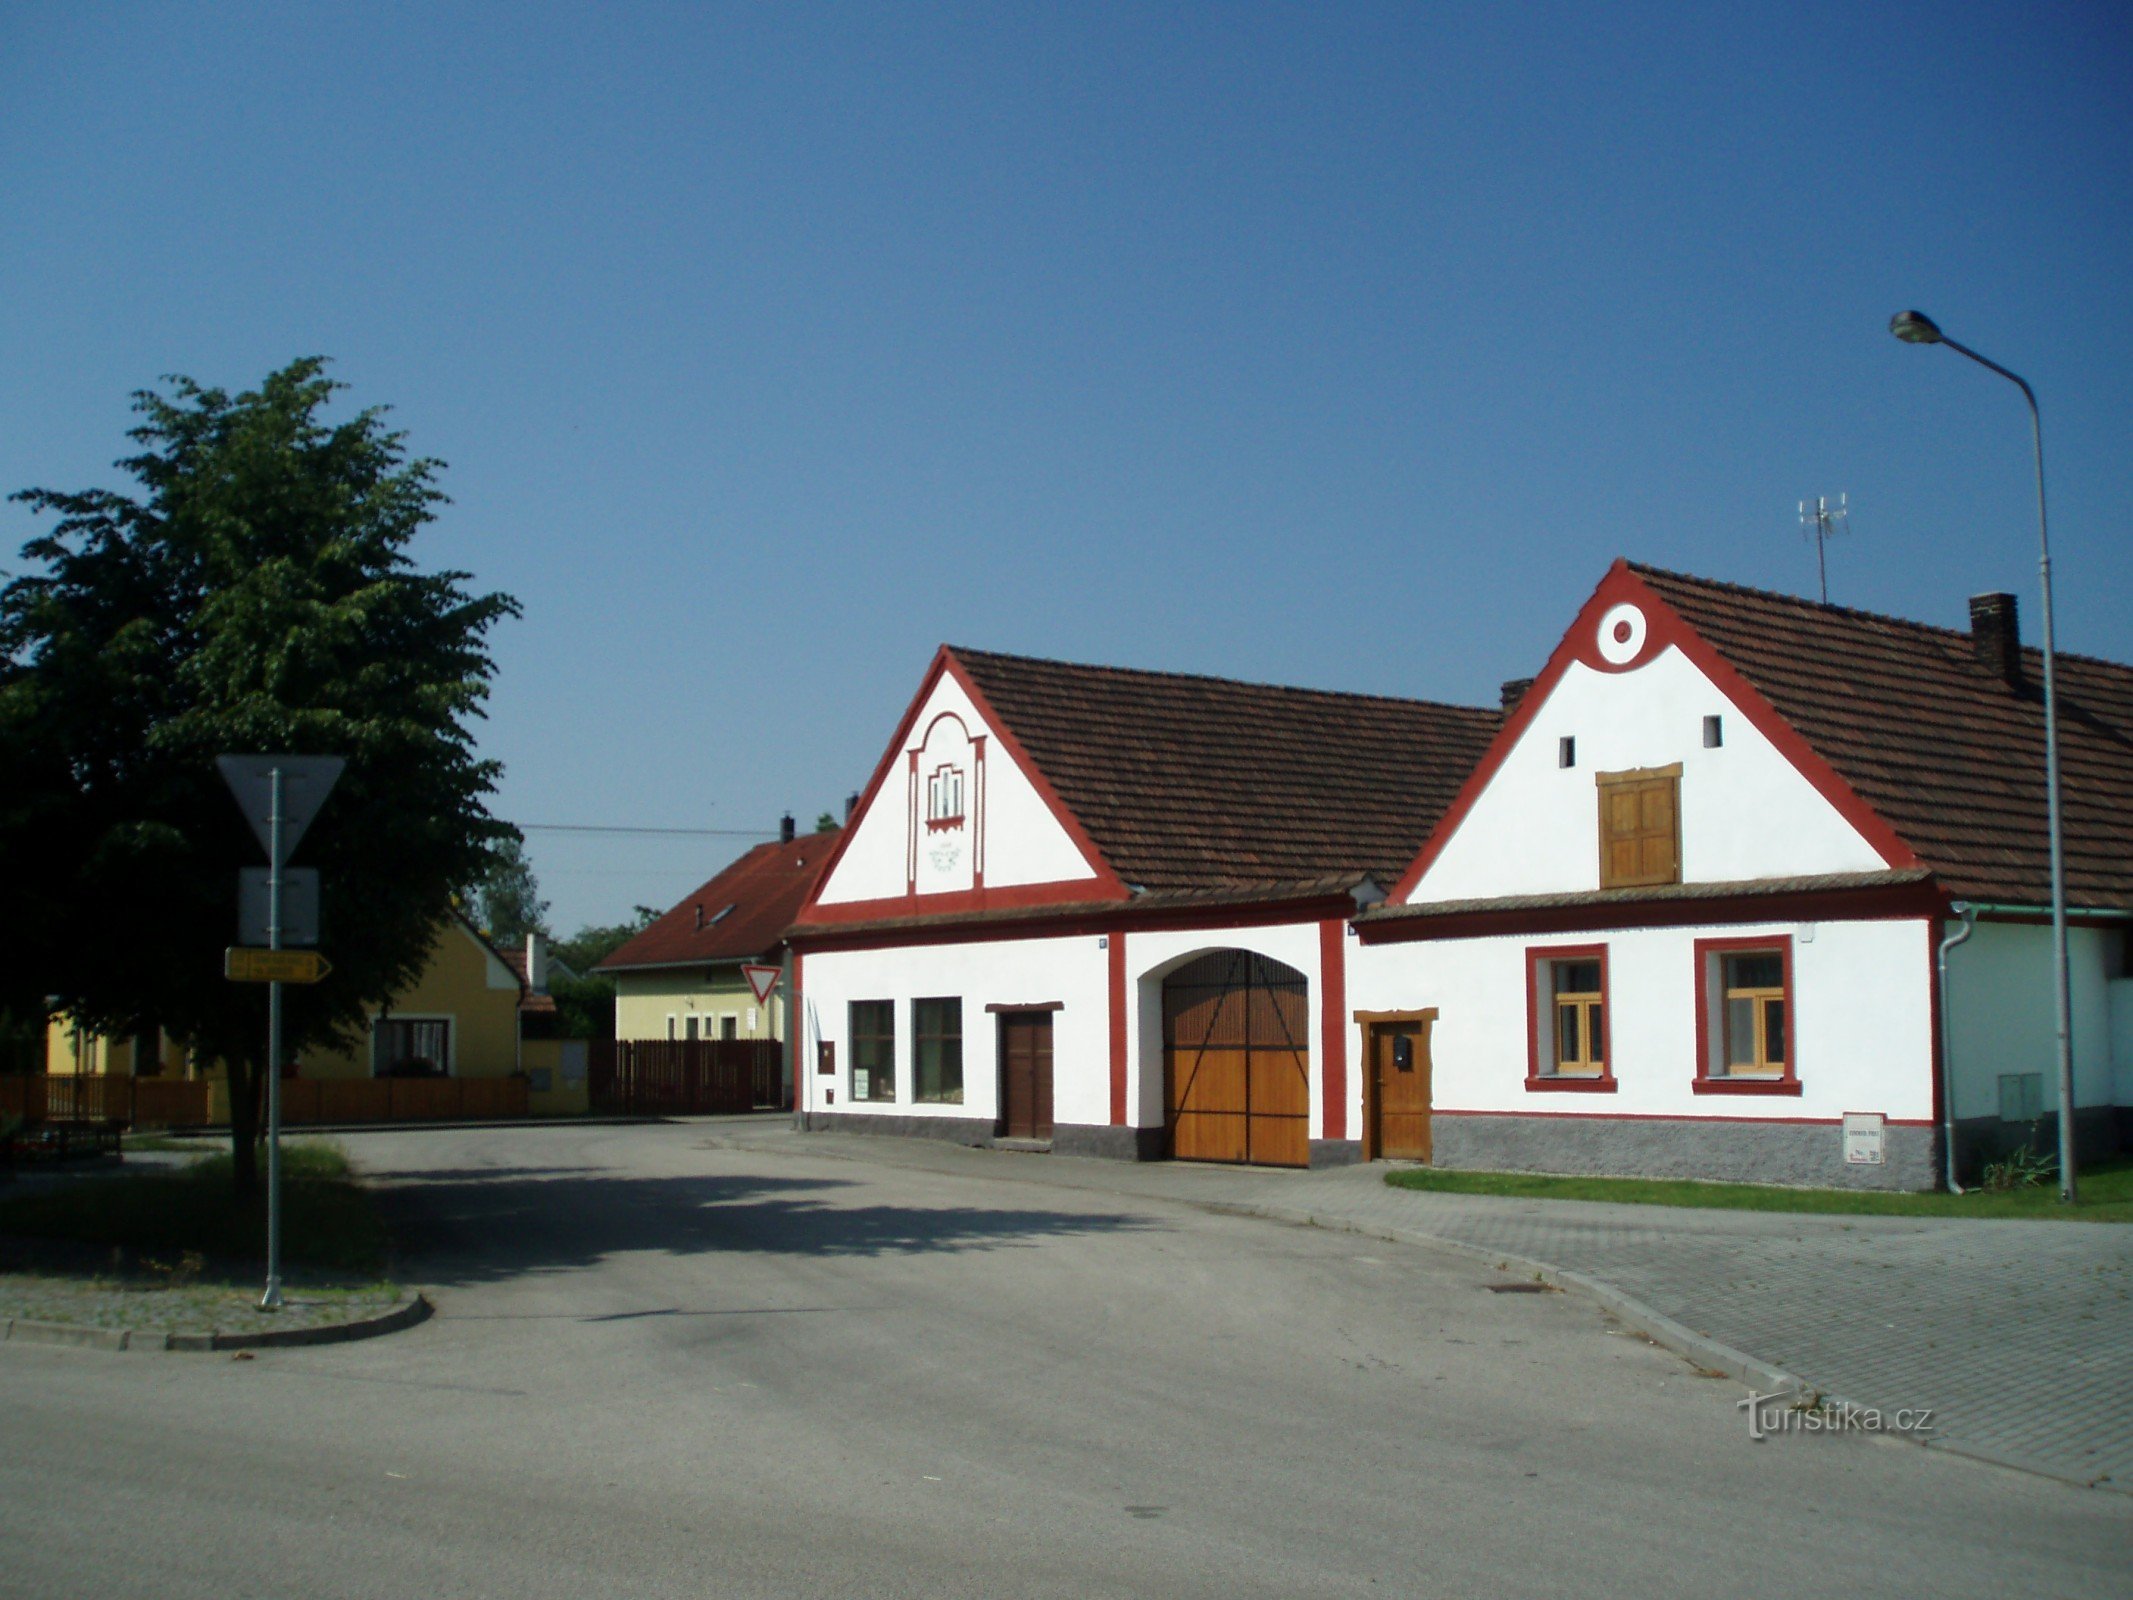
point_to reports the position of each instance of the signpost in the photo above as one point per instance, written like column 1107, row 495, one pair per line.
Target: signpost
column 242, row 965
column 279, row 795
column 299, row 905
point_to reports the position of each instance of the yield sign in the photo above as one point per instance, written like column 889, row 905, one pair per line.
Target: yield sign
column 305, row 783
column 762, row 980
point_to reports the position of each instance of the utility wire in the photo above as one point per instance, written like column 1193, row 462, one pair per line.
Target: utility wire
column 594, row 827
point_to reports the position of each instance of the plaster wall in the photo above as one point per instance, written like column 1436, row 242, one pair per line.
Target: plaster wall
column 1861, row 1019
column 1007, row 824
column 2002, row 1018
column 1746, row 811
column 465, row 983
column 1007, row 972
column 645, row 1000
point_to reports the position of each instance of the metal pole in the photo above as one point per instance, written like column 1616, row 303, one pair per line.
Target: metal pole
column 272, row 1299
column 2061, row 995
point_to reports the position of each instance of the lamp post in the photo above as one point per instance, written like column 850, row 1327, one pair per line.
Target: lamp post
column 1915, row 327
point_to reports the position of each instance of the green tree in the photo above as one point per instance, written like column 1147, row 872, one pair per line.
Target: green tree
column 256, row 594
column 826, row 823
column 593, row 944
column 507, row 902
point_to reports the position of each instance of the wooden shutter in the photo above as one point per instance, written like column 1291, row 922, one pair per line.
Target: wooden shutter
column 1640, row 827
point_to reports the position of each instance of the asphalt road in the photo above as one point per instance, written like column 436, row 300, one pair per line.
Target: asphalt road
column 666, row 1366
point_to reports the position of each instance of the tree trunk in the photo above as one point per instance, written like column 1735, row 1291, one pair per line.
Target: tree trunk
column 246, row 1079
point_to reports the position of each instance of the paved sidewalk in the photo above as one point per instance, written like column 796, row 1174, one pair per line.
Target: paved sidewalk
column 2018, row 1334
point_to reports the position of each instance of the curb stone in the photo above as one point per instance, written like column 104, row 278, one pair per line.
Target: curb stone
column 404, row 1315
column 1662, row 1330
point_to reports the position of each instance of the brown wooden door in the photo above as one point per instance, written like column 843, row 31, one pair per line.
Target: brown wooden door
column 1026, row 1074
column 1399, row 1089
column 1237, row 1061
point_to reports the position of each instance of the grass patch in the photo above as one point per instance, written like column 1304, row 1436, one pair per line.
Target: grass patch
column 328, row 1221
column 2106, row 1195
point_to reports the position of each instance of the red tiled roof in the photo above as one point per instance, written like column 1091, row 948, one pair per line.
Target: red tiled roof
column 739, row 915
column 1947, row 751
column 1194, row 783
column 531, row 1001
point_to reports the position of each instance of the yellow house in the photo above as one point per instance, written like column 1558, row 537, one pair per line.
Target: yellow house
column 474, row 1014
column 683, row 977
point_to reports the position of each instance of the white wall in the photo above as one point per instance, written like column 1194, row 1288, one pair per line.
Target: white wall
column 1861, row 1019
column 1746, row 812
column 1002, row 972
column 1021, row 841
column 2002, row 1018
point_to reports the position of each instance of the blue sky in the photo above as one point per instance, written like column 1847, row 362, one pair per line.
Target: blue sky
column 770, row 346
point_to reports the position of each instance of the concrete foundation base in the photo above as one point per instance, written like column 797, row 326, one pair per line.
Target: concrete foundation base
column 1336, row 1152
column 1808, row 1154
column 1110, row 1144
column 955, row 1130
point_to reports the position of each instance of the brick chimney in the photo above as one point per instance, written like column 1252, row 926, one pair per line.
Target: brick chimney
column 785, row 828
column 1513, row 691
column 851, row 804
column 1996, row 636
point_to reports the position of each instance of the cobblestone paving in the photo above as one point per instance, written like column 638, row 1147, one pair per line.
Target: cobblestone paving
column 2019, row 1334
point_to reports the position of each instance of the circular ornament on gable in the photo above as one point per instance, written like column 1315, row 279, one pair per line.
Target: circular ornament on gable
column 1622, row 633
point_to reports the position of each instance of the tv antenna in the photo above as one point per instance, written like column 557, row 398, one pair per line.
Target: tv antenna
column 1822, row 524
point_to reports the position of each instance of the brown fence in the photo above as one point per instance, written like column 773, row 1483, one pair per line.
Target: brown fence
column 677, row 1077
column 177, row 1103
column 401, row 1099
column 137, row 1102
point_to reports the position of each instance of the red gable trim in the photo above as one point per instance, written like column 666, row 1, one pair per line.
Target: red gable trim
column 1113, row 885
column 1106, row 885
column 1106, row 921
column 1333, row 1026
column 1664, row 626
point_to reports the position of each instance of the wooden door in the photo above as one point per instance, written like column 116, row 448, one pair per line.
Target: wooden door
column 1399, row 1088
column 1237, row 1062
column 1026, row 1074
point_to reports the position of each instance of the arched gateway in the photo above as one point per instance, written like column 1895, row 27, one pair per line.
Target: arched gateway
column 1237, row 1060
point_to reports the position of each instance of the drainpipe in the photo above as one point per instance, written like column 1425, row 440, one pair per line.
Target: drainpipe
column 1947, row 1040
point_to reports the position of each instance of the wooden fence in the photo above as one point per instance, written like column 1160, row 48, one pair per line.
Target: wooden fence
column 310, row 1100
column 178, row 1103
column 679, row 1077
column 137, row 1102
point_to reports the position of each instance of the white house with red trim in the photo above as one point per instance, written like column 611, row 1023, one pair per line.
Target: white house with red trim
column 1677, row 909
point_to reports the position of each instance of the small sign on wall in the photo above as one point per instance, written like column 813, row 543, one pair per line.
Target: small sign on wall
column 1863, row 1144
column 826, row 1059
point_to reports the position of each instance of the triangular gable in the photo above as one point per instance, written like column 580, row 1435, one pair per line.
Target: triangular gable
column 957, row 817
column 1631, row 682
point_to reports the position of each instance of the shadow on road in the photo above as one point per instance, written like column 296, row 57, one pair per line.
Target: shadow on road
column 471, row 1226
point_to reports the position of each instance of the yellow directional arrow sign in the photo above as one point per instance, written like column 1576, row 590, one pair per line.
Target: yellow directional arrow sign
column 243, row 965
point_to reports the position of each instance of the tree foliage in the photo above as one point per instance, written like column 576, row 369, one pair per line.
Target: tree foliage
column 506, row 902
column 591, row 944
column 255, row 594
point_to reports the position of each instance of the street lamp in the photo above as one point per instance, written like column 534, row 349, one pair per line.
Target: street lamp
column 1915, row 327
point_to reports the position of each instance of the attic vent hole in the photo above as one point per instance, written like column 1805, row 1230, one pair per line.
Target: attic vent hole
column 1714, row 732
column 1566, row 751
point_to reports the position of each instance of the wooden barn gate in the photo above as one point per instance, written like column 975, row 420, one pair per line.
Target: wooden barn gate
column 1237, row 1061
column 683, row 1077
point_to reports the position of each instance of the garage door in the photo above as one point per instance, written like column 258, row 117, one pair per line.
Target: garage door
column 1237, row 1060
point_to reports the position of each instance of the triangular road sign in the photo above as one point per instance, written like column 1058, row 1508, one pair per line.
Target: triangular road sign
column 762, row 980
column 305, row 783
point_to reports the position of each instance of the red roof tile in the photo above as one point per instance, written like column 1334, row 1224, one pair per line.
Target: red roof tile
column 740, row 915
column 1947, row 751
column 1194, row 783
